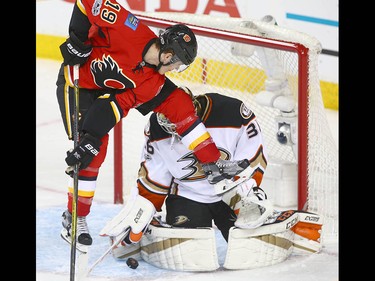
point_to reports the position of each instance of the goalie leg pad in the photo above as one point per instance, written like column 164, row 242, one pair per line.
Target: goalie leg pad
column 246, row 251
column 136, row 215
column 308, row 233
column 265, row 245
column 180, row 249
column 125, row 251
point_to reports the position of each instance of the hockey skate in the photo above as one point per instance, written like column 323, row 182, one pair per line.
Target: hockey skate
column 84, row 239
column 223, row 169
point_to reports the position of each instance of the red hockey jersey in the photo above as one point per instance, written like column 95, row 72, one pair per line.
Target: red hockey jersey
column 119, row 41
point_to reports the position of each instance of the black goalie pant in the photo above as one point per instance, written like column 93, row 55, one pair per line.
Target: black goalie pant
column 183, row 212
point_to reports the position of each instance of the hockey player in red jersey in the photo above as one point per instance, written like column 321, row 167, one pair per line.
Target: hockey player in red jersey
column 122, row 66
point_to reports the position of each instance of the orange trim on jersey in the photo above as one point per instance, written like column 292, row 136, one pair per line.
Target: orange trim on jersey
column 199, row 140
column 154, row 198
column 207, row 110
column 258, row 177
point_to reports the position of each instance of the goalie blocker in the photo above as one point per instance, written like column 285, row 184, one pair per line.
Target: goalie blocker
column 184, row 249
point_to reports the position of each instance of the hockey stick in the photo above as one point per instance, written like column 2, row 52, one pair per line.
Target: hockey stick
column 115, row 243
column 73, row 249
column 82, row 265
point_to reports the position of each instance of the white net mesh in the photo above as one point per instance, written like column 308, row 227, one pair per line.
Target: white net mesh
column 244, row 70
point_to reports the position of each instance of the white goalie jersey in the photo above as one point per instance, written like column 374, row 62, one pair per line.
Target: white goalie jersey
column 168, row 166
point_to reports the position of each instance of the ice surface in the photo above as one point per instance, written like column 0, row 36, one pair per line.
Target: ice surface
column 53, row 253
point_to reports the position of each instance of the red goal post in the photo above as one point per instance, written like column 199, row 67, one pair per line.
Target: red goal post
column 274, row 71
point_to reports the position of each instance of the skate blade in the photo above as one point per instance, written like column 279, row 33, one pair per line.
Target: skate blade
column 81, row 248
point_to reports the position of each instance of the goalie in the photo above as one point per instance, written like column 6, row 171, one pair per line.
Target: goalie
column 182, row 238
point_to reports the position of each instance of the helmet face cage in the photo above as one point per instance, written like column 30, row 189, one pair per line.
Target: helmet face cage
column 182, row 41
column 167, row 125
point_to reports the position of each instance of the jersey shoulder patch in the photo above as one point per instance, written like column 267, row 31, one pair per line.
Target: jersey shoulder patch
column 132, row 21
column 245, row 111
column 225, row 111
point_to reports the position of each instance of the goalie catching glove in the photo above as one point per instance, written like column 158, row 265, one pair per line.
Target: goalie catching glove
column 250, row 203
column 83, row 154
column 132, row 220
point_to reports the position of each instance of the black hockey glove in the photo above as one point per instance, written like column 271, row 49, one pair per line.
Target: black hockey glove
column 83, row 154
column 74, row 51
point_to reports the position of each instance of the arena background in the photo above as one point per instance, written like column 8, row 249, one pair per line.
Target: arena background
column 318, row 18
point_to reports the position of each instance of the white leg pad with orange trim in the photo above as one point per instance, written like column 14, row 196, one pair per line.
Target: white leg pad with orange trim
column 307, row 231
column 273, row 242
column 136, row 215
column 181, row 249
column 265, row 245
column 124, row 251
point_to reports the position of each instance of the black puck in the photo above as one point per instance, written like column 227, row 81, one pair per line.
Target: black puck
column 132, row 263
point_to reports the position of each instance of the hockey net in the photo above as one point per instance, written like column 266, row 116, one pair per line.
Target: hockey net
column 275, row 72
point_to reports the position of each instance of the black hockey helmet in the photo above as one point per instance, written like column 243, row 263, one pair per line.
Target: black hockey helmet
column 181, row 40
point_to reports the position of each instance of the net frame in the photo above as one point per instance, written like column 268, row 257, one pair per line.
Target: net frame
column 307, row 50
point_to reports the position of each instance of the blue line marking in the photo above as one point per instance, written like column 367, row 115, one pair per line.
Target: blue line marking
column 311, row 19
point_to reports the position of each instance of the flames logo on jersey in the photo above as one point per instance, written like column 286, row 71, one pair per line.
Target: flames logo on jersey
column 107, row 74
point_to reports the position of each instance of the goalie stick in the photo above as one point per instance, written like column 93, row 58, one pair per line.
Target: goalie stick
column 115, row 243
column 82, row 264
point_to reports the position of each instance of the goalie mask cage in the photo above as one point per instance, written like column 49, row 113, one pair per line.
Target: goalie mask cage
column 275, row 72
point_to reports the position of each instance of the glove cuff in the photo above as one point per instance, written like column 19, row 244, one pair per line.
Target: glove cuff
column 92, row 139
column 74, row 38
